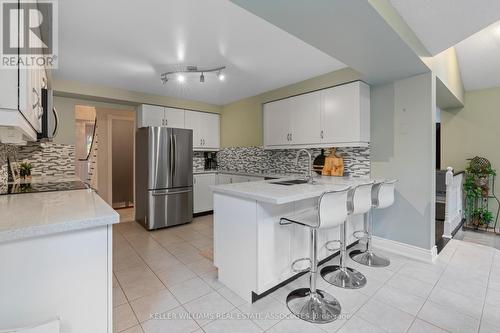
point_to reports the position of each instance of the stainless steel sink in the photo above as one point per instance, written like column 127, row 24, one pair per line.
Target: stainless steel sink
column 290, row 182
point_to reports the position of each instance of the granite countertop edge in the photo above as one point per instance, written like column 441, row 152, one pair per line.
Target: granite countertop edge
column 98, row 213
column 249, row 174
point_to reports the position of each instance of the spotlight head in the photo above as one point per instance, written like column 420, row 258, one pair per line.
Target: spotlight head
column 221, row 76
column 202, row 78
column 181, row 78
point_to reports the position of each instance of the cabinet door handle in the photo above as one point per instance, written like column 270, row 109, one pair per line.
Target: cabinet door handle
column 291, row 136
column 166, row 122
column 322, row 134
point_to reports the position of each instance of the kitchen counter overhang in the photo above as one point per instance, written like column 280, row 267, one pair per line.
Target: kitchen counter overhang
column 56, row 251
column 252, row 251
column 31, row 215
column 267, row 191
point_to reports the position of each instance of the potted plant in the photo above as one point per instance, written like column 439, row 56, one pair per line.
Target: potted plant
column 25, row 170
column 481, row 216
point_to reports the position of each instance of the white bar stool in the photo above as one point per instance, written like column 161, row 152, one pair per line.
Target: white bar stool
column 382, row 197
column 311, row 304
column 358, row 202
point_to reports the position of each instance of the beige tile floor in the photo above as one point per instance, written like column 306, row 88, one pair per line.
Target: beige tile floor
column 165, row 282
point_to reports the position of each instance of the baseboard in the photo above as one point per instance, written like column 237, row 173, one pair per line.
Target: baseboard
column 405, row 250
column 448, row 233
column 256, row 297
column 208, row 212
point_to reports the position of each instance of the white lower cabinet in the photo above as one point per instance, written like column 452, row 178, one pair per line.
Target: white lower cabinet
column 67, row 275
column 234, row 178
column 203, row 196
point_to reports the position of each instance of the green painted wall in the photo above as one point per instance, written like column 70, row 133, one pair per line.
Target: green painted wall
column 241, row 121
column 472, row 130
column 97, row 93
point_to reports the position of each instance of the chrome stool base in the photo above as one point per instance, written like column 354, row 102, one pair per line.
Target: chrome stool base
column 348, row 278
column 320, row 308
column 369, row 259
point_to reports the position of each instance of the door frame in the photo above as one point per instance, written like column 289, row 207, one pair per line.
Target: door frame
column 109, row 153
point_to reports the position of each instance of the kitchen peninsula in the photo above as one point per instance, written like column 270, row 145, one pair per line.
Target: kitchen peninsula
column 56, row 259
column 252, row 251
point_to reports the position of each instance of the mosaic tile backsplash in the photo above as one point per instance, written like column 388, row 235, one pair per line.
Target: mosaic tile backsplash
column 198, row 160
column 48, row 159
column 258, row 160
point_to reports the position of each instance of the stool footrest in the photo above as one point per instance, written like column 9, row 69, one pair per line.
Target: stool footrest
column 331, row 249
column 297, row 270
column 360, row 234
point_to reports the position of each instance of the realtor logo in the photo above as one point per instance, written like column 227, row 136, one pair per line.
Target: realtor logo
column 29, row 33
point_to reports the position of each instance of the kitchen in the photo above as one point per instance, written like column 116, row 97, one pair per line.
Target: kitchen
column 235, row 158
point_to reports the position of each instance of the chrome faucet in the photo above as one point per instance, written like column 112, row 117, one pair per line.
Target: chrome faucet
column 310, row 179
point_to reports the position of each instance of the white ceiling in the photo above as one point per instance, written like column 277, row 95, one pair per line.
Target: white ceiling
column 479, row 58
column 440, row 24
column 350, row 31
column 128, row 44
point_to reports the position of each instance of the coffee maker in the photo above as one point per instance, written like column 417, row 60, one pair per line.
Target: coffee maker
column 210, row 161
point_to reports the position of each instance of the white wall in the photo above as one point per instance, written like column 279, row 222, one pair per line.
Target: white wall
column 403, row 147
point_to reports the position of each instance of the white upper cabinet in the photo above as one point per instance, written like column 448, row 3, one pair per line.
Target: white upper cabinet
column 205, row 126
column 153, row 115
column 211, row 130
column 21, row 100
column 194, row 122
column 306, row 118
column 277, row 123
column 338, row 116
column 174, row 117
column 150, row 115
column 346, row 114
column 206, row 130
column 21, row 104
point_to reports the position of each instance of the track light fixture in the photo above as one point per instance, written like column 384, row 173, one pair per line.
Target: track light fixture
column 182, row 74
column 221, row 76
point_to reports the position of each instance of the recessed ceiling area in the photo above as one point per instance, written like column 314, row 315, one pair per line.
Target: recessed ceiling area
column 479, row 58
column 440, row 24
column 128, row 44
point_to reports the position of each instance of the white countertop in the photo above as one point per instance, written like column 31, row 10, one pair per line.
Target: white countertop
column 38, row 214
column 265, row 191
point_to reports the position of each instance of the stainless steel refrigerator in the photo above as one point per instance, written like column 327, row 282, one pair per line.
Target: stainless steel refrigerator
column 163, row 176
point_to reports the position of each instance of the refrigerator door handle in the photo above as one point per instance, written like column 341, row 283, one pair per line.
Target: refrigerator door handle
column 157, row 194
column 171, row 157
column 175, row 155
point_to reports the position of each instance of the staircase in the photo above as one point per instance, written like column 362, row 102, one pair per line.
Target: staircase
column 90, row 160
